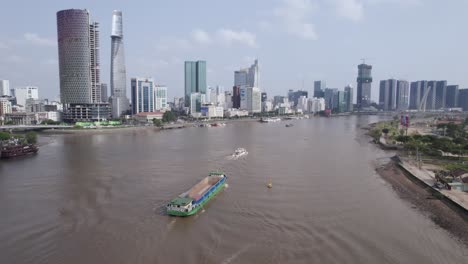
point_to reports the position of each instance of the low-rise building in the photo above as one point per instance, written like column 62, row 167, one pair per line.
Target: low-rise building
column 43, row 116
column 212, row 111
column 20, row 118
column 234, row 112
column 147, row 117
column 5, row 106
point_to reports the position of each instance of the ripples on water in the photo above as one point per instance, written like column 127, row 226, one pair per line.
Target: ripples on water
column 100, row 199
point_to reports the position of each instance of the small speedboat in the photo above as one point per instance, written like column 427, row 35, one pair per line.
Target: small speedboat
column 239, row 152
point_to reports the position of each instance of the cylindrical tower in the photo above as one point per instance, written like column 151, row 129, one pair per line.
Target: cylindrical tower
column 118, row 79
column 73, row 33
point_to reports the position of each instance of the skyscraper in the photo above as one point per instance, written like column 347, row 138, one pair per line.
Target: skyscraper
column 319, row 87
column 142, row 95
column 387, row 94
column 247, row 76
column 463, row 99
column 79, row 66
column 236, row 97
column 417, row 93
column 4, row 88
column 330, row 95
column 195, row 79
column 451, row 97
column 440, row 94
column 118, row 78
column 402, row 95
column 348, row 98
column 364, row 86
column 104, row 95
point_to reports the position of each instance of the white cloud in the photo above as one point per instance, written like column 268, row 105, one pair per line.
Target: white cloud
column 229, row 36
column 3, row 45
column 35, row 39
column 294, row 15
column 350, row 9
column 201, row 36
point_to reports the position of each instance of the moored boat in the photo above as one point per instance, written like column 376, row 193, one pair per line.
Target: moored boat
column 189, row 202
column 270, row 120
column 12, row 151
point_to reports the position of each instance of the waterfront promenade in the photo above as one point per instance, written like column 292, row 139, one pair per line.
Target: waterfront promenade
column 428, row 178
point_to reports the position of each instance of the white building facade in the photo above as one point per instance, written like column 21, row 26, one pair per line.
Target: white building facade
column 160, row 97
column 5, row 106
column 4, row 88
column 315, row 105
column 24, row 93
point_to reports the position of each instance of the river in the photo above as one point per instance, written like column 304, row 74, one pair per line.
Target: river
column 99, row 198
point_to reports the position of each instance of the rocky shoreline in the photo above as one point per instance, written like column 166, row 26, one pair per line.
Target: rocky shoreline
column 426, row 201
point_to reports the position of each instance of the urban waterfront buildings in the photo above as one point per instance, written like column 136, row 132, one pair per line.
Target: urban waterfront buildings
column 247, row 76
column 319, row 88
column 195, row 79
column 118, row 78
column 24, row 93
column 79, row 66
column 364, row 86
column 463, row 99
column 142, row 95
column 330, row 96
column 394, row 95
column 5, row 106
column 451, row 97
column 4, row 88
column 250, row 99
column 348, row 97
column 195, row 103
column 316, row 105
column 160, row 98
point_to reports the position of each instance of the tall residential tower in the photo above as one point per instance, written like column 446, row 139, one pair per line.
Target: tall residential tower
column 195, row 79
column 118, row 79
column 364, row 86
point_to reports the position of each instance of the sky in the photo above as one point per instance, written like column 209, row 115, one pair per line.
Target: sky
column 295, row 41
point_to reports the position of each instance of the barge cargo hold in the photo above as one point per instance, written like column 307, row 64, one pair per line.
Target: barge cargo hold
column 188, row 203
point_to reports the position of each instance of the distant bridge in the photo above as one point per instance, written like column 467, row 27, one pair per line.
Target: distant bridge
column 33, row 127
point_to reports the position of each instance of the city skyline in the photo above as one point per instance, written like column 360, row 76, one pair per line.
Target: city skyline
column 336, row 49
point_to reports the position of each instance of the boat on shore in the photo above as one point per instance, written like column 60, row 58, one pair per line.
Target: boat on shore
column 191, row 201
column 12, row 151
column 239, row 152
column 270, row 120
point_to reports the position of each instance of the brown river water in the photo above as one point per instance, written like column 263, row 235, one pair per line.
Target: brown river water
column 99, row 198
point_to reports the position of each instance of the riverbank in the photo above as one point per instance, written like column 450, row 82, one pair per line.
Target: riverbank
column 426, row 200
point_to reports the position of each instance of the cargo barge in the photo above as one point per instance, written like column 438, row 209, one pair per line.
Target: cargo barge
column 7, row 152
column 191, row 201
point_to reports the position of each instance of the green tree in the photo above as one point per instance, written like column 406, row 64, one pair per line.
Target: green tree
column 31, row 137
column 9, row 123
column 4, row 136
column 169, row 116
column 157, row 122
column 385, row 131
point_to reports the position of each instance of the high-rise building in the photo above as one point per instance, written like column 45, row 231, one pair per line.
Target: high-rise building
column 463, row 99
column 118, row 78
column 348, row 98
column 330, row 98
column 5, row 106
column 250, row 99
column 142, row 95
column 451, row 97
column 247, row 76
column 294, row 96
column 364, row 86
column 319, row 87
column 195, row 79
column 4, row 88
column 387, row 94
column 440, row 94
column 104, row 94
column 341, row 102
column 402, row 95
column 418, row 89
column 316, row 105
column 24, row 93
column 79, row 66
column 236, row 97
column 302, row 103
column 195, row 103
column 228, row 100
column 264, row 96
column 431, row 96
column 160, row 97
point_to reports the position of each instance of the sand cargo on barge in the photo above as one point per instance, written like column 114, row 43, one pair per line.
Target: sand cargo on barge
column 188, row 203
